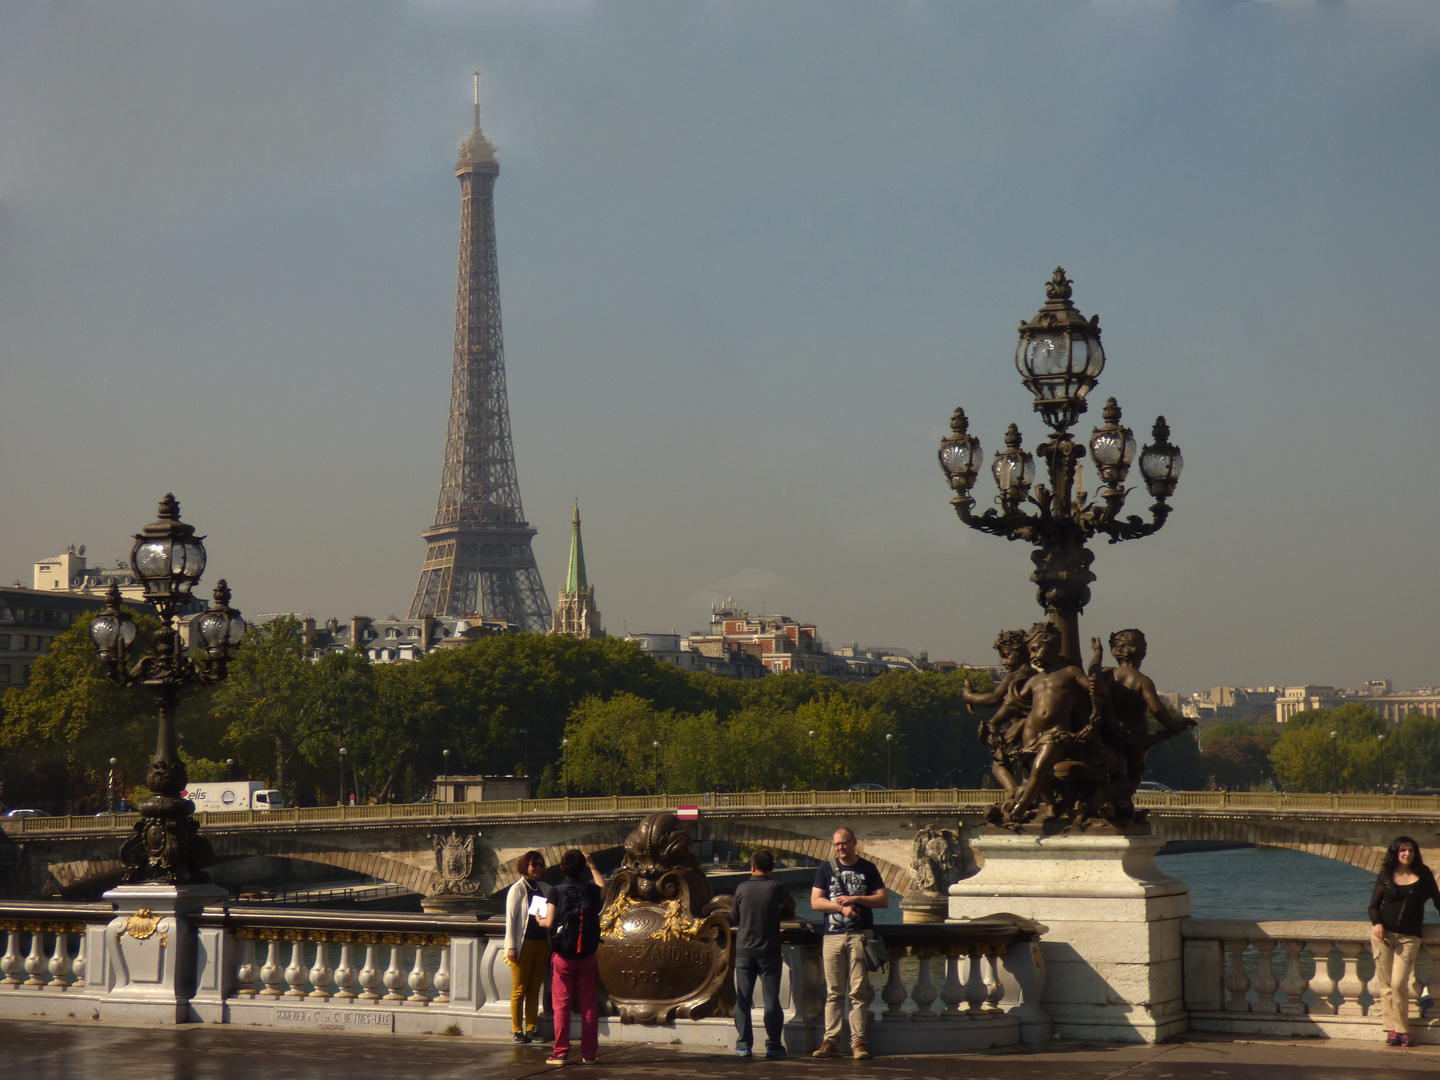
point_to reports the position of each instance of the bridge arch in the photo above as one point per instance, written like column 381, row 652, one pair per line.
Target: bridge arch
column 1313, row 839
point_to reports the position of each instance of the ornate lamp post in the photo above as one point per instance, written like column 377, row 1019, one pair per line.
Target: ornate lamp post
column 565, row 763
column 1334, row 762
column 655, row 748
column 889, row 741
column 110, row 786
column 812, row 758
column 168, row 558
column 1381, row 740
column 1060, row 358
column 342, row 777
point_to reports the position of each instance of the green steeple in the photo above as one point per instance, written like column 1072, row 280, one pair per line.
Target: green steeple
column 575, row 576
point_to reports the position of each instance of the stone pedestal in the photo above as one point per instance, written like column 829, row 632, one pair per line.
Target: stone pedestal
column 149, row 952
column 1112, row 949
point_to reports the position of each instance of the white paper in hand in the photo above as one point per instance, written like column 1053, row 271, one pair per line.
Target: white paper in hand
column 537, row 906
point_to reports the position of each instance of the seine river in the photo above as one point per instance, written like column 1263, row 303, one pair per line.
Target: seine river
column 1249, row 883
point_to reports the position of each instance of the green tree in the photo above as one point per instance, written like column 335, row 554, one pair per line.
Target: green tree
column 271, row 700
column 1415, row 759
column 1237, row 761
column 611, row 748
column 1305, row 755
column 60, row 731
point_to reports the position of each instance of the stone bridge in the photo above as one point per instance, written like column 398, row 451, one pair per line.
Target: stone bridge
column 394, row 842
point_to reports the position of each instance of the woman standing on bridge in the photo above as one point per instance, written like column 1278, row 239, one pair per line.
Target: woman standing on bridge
column 527, row 945
column 1397, row 910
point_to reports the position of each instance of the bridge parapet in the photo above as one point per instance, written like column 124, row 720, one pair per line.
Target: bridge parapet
column 960, row 800
column 1295, row 979
column 413, row 973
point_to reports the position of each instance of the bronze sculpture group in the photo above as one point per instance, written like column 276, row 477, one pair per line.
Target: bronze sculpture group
column 1069, row 745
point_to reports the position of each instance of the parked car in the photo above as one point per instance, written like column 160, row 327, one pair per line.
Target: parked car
column 27, row 813
column 1153, row 785
column 868, row 787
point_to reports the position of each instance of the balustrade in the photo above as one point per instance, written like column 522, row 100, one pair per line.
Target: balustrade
column 1326, row 976
column 49, row 954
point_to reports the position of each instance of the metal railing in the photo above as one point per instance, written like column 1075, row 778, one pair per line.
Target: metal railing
column 948, row 798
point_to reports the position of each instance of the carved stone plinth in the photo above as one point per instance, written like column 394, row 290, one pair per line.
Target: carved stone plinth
column 1113, row 948
column 149, row 957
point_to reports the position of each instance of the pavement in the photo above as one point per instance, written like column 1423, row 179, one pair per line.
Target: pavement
column 71, row 1049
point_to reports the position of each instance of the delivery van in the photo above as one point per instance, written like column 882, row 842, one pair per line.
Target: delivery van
column 234, row 795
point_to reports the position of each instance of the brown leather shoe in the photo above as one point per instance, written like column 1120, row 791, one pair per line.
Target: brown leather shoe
column 861, row 1051
column 827, row 1049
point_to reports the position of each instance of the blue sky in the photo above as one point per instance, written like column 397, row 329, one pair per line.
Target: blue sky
column 751, row 257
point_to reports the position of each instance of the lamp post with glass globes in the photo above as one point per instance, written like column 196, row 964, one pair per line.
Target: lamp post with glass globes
column 1060, row 358
column 168, row 558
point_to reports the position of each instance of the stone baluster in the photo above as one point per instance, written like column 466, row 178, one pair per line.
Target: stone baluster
column 1264, row 983
column 1236, row 981
column 1432, row 987
column 60, row 960
column 320, row 971
column 895, row 993
column 295, row 972
column 394, row 977
column 82, row 961
column 35, row 963
column 993, row 983
column 953, row 992
column 369, row 976
column 247, row 971
column 975, row 989
column 12, row 963
column 924, row 993
column 1292, row 985
column 271, row 973
column 442, row 976
column 1351, row 985
column 419, row 978
column 345, row 973
column 1322, row 983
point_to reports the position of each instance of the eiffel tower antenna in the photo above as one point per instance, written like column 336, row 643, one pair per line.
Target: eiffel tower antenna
column 478, row 559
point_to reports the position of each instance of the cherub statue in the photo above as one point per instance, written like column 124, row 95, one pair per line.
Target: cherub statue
column 1015, row 659
column 1133, row 700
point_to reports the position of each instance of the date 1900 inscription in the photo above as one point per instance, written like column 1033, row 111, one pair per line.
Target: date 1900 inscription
column 643, row 962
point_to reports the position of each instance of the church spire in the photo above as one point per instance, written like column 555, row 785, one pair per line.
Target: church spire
column 575, row 576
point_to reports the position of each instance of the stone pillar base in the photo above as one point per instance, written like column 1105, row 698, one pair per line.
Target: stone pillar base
column 149, row 955
column 1112, row 949
column 924, row 908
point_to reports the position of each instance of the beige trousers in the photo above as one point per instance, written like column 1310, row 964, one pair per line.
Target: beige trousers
column 845, row 971
column 1394, row 961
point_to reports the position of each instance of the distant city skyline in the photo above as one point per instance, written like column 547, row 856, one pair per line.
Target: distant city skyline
column 751, row 257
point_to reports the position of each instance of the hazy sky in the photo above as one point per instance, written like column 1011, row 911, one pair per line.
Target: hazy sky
column 751, row 257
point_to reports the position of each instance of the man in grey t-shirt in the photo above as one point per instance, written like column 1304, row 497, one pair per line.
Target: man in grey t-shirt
column 760, row 904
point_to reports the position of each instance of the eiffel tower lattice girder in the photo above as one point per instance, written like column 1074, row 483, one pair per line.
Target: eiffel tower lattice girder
column 478, row 559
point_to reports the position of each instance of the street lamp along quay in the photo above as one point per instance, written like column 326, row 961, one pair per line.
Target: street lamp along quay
column 1060, row 358
column 168, row 558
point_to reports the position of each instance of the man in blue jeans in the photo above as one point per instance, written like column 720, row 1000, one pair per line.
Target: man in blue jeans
column 760, row 904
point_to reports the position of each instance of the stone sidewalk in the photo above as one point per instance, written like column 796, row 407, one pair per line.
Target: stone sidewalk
column 70, row 1049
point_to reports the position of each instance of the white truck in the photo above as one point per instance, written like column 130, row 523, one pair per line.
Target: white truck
column 234, row 795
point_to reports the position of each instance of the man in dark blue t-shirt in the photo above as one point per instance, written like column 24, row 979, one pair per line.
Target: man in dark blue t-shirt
column 846, row 891
column 760, row 904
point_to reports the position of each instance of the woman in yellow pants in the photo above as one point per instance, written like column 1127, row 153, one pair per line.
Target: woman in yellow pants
column 527, row 946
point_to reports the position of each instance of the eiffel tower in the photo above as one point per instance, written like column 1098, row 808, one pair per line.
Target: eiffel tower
column 478, row 560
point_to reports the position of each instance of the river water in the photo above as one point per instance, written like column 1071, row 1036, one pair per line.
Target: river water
column 1245, row 883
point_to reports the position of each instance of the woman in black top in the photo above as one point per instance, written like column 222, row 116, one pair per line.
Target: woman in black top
column 1397, row 910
